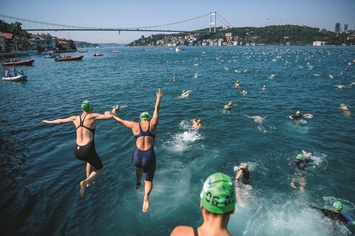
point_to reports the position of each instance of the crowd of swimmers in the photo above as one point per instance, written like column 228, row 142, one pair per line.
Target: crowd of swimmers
column 219, row 192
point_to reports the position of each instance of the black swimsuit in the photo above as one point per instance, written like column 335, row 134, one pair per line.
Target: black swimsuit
column 88, row 152
column 145, row 159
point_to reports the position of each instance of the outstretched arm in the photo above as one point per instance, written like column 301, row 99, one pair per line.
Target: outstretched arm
column 127, row 123
column 60, row 121
column 108, row 115
column 159, row 93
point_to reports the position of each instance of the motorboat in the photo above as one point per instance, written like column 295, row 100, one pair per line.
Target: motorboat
column 18, row 78
column 98, row 54
column 179, row 49
column 18, row 63
column 69, row 58
column 51, row 55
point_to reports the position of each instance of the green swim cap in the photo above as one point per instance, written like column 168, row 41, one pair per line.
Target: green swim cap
column 218, row 194
column 145, row 116
column 337, row 206
column 341, row 105
column 298, row 112
column 244, row 164
column 86, row 106
column 300, row 157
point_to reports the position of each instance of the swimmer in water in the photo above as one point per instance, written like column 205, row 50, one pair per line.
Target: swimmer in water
column 299, row 175
column 196, row 123
column 185, row 93
column 244, row 92
column 228, row 106
column 264, row 88
column 344, row 107
column 237, row 84
column 334, row 214
column 259, row 121
column 242, row 178
column 299, row 115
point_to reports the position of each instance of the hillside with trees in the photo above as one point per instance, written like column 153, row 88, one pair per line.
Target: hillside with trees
column 268, row 35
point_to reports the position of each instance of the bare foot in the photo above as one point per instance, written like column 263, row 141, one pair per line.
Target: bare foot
column 90, row 184
column 82, row 188
column 145, row 204
column 138, row 185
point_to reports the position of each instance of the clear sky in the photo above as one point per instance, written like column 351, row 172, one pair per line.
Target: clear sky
column 140, row 13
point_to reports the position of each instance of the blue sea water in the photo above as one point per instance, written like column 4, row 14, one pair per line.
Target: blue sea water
column 39, row 188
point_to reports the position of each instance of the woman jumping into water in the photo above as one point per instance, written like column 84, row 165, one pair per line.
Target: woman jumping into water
column 143, row 157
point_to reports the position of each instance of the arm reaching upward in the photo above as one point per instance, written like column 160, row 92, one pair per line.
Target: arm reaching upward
column 159, row 93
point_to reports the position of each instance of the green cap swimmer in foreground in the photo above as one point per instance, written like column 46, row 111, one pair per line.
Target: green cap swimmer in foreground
column 217, row 202
column 218, row 194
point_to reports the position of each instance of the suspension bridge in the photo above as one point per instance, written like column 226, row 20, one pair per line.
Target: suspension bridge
column 214, row 20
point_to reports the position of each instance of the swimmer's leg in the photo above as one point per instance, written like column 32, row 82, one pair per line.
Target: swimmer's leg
column 239, row 196
column 292, row 184
column 89, row 169
column 89, row 181
column 148, row 186
column 302, row 184
column 139, row 172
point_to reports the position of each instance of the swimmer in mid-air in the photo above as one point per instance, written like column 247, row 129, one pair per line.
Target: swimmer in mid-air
column 85, row 150
column 143, row 156
column 259, row 121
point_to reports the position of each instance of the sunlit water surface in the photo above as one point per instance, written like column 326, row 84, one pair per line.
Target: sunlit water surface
column 40, row 175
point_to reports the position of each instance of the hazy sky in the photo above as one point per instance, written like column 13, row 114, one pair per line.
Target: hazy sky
column 140, row 13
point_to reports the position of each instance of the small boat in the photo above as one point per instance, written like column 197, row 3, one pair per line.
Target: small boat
column 69, row 58
column 17, row 78
column 179, row 49
column 83, row 51
column 51, row 55
column 98, row 54
column 18, row 63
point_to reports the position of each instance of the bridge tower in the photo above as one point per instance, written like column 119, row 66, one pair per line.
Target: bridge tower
column 212, row 22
